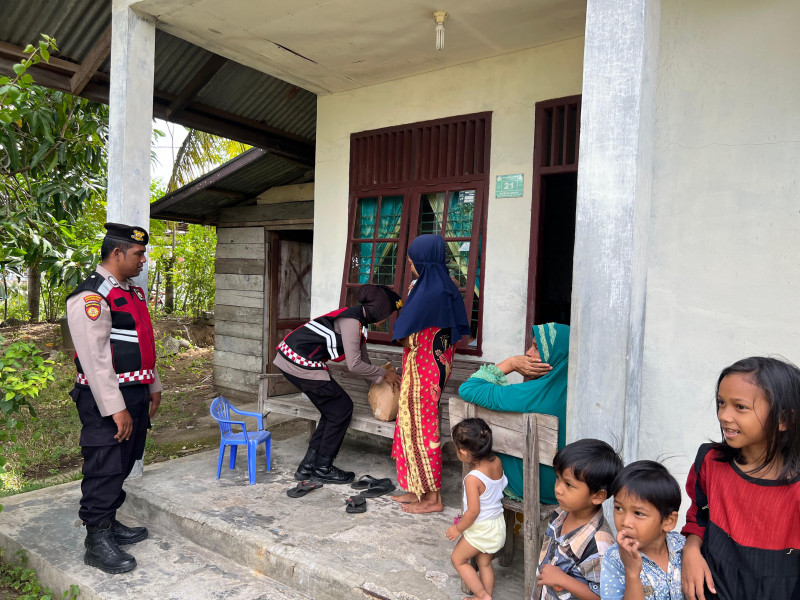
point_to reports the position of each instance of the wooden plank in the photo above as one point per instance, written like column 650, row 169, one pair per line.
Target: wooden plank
column 240, row 251
column 96, row 57
column 240, row 235
column 248, row 331
column 248, row 299
column 245, row 283
column 244, row 381
column 239, row 266
column 235, row 396
column 267, row 212
column 239, row 314
column 227, row 343
column 299, row 192
column 509, row 427
column 286, row 224
column 233, row 360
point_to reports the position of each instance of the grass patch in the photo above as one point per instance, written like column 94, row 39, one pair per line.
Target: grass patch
column 19, row 581
column 47, row 445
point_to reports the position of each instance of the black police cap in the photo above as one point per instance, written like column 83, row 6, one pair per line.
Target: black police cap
column 126, row 233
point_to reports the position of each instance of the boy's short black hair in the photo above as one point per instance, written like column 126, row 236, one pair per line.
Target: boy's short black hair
column 593, row 462
column 650, row 481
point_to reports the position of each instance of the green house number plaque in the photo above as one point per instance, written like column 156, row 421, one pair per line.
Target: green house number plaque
column 508, row 186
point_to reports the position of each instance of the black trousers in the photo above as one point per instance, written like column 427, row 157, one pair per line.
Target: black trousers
column 335, row 408
column 107, row 462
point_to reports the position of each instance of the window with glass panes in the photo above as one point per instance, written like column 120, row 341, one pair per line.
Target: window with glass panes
column 424, row 178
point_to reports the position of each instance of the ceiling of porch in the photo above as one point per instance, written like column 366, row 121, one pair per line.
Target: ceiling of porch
column 330, row 46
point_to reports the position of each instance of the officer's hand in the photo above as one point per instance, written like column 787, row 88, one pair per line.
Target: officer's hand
column 391, row 377
column 124, row 425
column 155, row 402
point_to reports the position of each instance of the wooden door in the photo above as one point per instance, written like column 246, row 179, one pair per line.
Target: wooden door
column 290, row 295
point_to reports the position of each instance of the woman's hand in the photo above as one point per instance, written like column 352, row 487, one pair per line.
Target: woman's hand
column 452, row 533
column 695, row 574
column 530, row 367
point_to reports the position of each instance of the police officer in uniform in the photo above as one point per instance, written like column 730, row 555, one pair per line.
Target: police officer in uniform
column 339, row 336
column 117, row 390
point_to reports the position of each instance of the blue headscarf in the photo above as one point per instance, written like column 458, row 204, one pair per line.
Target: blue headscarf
column 434, row 300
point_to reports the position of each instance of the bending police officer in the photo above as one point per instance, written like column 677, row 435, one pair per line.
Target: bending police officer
column 117, row 390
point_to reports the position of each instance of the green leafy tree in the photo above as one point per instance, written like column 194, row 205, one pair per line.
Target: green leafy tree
column 52, row 167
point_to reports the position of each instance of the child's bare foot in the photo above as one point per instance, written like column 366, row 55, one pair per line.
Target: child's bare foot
column 486, row 597
column 424, row 506
column 406, row 498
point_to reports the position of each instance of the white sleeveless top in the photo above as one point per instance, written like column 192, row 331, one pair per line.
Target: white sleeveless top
column 491, row 498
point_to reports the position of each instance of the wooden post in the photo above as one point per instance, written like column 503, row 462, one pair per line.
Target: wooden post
column 530, row 501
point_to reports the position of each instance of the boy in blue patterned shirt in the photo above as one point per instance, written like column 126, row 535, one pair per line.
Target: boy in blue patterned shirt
column 578, row 535
column 645, row 563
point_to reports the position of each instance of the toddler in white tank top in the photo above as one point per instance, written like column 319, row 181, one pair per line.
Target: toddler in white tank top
column 481, row 526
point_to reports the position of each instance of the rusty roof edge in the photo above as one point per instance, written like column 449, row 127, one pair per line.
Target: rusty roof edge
column 209, row 179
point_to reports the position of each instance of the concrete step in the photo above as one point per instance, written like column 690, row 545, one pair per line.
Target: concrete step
column 224, row 536
column 44, row 523
column 311, row 543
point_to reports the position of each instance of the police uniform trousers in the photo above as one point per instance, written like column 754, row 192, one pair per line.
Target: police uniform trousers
column 106, row 461
column 335, row 408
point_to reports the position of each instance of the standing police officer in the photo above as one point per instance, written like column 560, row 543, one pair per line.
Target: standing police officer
column 116, row 391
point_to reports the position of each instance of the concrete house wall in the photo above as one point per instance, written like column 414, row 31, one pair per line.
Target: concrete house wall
column 509, row 86
column 724, row 253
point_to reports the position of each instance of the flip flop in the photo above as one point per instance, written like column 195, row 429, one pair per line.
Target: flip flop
column 302, row 488
column 367, row 480
column 384, row 486
column 356, row 504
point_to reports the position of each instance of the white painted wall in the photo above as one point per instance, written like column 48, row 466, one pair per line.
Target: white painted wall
column 508, row 86
column 725, row 231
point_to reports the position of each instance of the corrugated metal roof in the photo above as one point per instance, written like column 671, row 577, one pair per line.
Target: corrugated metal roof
column 236, row 183
column 235, row 89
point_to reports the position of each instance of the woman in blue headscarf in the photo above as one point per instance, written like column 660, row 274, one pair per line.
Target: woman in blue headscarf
column 546, row 359
column 432, row 322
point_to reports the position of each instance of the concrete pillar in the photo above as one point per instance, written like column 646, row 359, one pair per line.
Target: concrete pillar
column 130, row 103
column 613, row 214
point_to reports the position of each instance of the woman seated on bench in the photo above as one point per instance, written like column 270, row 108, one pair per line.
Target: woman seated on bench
column 546, row 361
column 338, row 335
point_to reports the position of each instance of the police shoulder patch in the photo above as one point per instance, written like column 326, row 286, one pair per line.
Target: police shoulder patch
column 93, row 310
column 92, row 306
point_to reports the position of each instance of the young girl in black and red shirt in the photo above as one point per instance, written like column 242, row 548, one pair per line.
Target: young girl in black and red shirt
column 743, row 537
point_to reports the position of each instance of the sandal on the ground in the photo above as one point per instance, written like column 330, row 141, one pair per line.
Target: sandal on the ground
column 379, row 488
column 367, row 480
column 356, row 504
column 302, row 488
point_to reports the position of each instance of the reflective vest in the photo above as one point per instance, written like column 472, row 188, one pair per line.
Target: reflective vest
column 133, row 346
column 312, row 345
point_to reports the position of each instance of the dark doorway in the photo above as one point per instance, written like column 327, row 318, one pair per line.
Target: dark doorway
column 555, row 184
column 557, row 242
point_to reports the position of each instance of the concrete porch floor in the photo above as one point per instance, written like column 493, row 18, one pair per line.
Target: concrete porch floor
column 227, row 539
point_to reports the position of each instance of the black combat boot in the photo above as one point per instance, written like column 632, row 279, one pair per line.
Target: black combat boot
column 127, row 535
column 325, row 472
column 103, row 552
column 306, row 468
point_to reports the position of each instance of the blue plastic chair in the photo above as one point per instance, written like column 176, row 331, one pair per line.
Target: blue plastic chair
column 221, row 411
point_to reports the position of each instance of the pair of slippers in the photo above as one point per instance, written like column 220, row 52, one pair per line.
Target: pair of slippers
column 372, row 487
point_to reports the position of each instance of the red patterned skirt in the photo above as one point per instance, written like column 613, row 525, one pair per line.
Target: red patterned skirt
column 417, row 447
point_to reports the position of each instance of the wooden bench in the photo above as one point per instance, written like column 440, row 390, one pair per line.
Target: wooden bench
column 298, row 405
column 533, row 438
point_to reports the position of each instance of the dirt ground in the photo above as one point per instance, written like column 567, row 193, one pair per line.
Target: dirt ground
column 181, row 426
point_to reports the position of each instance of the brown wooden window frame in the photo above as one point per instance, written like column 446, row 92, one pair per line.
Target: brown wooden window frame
column 404, row 143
